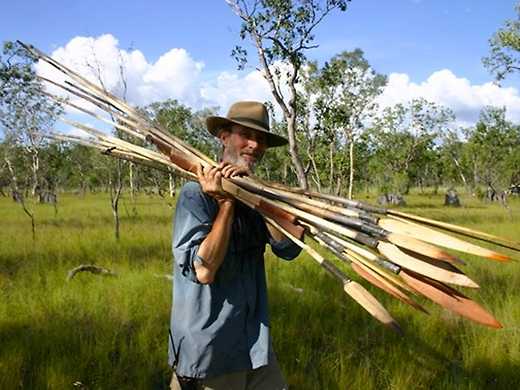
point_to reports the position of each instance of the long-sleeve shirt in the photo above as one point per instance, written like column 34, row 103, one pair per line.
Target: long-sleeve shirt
column 220, row 327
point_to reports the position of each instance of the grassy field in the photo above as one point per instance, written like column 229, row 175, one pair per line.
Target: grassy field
column 111, row 332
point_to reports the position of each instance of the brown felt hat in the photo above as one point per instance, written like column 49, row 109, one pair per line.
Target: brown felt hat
column 253, row 115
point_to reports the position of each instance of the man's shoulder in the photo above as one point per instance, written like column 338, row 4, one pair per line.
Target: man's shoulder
column 191, row 188
column 191, row 194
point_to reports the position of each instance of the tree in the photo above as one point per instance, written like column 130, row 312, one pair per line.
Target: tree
column 451, row 156
column 346, row 89
column 26, row 114
column 185, row 124
column 400, row 140
column 492, row 152
column 282, row 32
column 504, row 57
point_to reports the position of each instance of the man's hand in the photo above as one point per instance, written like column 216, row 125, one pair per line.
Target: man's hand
column 230, row 170
column 210, row 179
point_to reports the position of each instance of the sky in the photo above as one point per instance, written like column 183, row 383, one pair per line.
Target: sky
column 181, row 49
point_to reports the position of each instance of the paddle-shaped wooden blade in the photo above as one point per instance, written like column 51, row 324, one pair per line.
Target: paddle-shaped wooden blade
column 460, row 229
column 370, row 304
column 422, row 247
column 406, row 260
column 402, row 226
column 378, row 281
column 450, row 299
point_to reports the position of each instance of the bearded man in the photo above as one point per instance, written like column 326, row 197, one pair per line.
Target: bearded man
column 219, row 333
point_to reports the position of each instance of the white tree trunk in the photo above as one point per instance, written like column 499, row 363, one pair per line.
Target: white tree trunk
column 35, row 168
column 171, row 185
column 351, row 176
column 131, row 179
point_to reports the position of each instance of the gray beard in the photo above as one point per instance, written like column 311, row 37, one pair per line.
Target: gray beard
column 236, row 159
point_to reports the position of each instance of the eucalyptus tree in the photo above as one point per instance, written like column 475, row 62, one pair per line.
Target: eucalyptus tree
column 401, row 137
column 451, row 158
column 26, row 114
column 492, row 152
column 504, row 56
column 347, row 88
column 184, row 123
column 282, row 32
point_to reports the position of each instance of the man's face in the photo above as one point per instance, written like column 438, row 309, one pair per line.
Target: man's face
column 243, row 146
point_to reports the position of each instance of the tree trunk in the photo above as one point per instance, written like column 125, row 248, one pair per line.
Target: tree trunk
column 337, row 191
column 115, row 194
column 131, row 179
column 331, row 172
column 316, row 175
column 16, row 191
column 171, row 185
column 351, row 176
column 461, row 173
column 35, row 167
column 293, row 150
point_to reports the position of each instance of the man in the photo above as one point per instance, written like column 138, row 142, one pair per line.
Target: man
column 219, row 334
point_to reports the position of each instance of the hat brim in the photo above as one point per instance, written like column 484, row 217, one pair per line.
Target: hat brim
column 217, row 123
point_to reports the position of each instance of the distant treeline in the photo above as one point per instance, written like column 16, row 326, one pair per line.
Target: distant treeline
column 391, row 156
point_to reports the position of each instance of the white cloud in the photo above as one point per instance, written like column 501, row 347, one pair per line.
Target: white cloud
column 173, row 75
column 443, row 87
column 177, row 75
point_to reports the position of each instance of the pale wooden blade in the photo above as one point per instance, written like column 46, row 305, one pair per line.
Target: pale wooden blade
column 403, row 226
column 397, row 256
column 370, row 260
column 380, row 282
column 370, row 304
column 461, row 230
column 422, row 247
column 450, row 299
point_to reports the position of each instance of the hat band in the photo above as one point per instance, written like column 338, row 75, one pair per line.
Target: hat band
column 253, row 121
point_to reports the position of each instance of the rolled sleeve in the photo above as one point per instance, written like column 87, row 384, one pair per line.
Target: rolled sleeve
column 193, row 220
column 286, row 249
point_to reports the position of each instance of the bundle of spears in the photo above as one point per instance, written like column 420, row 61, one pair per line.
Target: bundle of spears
column 395, row 251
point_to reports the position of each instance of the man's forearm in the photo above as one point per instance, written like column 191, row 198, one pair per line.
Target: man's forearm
column 213, row 249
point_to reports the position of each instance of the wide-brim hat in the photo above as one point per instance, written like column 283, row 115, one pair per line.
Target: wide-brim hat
column 253, row 115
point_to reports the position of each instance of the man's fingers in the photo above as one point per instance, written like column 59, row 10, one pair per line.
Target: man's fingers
column 240, row 171
column 211, row 173
column 226, row 172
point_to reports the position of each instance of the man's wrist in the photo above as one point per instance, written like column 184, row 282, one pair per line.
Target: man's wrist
column 225, row 202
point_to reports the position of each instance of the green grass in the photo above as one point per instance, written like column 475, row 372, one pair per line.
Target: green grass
column 112, row 332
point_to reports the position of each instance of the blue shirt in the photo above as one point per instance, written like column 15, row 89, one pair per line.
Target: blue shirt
column 220, row 327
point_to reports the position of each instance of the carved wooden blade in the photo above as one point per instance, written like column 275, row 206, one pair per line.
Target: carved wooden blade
column 435, row 237
column 449, row 298
column 406, row 260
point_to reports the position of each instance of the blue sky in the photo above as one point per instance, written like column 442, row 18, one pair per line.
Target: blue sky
column 412, row 38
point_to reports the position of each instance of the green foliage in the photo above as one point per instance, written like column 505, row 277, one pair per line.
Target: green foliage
column 282, row 32
column 492, row 152
column 26, row 115
column 402, row 141
column 185, row 124
column 286, row 27
column 504, row 57
column 344, row 92
column 25, row 111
